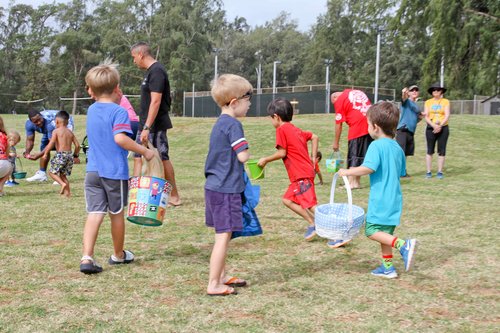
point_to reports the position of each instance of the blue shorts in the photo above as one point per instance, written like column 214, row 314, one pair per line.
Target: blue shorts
column 223, row 211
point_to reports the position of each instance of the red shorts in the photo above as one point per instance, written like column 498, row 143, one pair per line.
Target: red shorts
column 302, row 193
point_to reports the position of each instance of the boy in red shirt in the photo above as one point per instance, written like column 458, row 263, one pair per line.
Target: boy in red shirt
column 291, row 145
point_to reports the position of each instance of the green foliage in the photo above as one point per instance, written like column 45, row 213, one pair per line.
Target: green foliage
column 45, row 51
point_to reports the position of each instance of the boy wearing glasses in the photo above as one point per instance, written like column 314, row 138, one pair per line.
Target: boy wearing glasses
column 291, row 145
column 410, row 115
column 228, row 150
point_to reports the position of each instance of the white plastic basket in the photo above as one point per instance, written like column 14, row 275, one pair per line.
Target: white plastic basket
column 339, row 220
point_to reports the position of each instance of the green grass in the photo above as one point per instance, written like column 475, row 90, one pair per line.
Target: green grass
column 294, row 286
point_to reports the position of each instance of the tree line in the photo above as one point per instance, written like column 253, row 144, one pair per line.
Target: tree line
column 46, row 51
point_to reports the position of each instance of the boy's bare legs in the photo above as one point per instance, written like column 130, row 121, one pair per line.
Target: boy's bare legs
column 306, row 214
column 383, row 238
column 67, row 191
column 218, row 263
column 59, row 180
column 118, row 233
column 174, row 198
column 90, row 232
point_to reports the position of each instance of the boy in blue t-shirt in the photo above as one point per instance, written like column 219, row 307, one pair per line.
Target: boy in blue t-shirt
column 385, row 163
column 224, row 185
column 106, row 180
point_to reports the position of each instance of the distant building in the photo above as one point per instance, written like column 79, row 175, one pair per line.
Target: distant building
column 491, row 105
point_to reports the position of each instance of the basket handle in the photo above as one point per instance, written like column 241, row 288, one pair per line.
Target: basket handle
column 349, row 193
column 20, row 163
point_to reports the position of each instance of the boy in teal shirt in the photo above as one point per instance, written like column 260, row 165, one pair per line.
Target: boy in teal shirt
column 385, row 163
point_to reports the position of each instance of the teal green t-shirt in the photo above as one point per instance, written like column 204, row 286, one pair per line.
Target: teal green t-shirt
column 385, row 204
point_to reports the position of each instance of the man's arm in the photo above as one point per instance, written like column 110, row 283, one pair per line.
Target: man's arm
column 154, row 106
column 338, row 133
column 30, row 142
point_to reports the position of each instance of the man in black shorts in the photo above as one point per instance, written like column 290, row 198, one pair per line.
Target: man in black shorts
column 153, row 117
column 350, row 107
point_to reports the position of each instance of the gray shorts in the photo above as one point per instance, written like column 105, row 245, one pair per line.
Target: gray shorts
column 103, row 195
column 159, row 141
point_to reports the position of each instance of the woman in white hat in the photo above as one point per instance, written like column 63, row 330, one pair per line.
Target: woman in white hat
column 437, row 113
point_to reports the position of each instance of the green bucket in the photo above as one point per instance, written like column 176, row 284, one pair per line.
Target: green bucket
column 256, row 172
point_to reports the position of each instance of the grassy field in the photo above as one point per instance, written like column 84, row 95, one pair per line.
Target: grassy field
column 295, row 286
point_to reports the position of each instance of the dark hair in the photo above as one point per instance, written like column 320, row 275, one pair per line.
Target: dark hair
column 141, row 47
column 319, row 156
column 385, row 115
column 281, row 107
column 32, row 113
column 63, row 115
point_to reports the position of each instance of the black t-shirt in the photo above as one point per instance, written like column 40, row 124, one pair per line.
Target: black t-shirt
column 156, row 80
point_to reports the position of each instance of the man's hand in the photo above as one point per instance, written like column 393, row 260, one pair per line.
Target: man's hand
column 76, row 160
column 35, row 156
column 144, row 136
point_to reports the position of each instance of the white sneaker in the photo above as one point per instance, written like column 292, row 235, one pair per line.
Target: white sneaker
column 39, row 176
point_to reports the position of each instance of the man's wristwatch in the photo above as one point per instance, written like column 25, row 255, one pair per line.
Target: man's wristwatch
column 76, row 155
column 146, row 128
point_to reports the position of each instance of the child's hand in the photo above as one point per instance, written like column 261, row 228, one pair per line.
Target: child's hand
column 262, row 162
column 343, row 172
column 148, row 155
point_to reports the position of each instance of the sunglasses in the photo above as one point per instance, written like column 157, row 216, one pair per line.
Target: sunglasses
column 248, row 95
column 437, row 89
column 413, row 90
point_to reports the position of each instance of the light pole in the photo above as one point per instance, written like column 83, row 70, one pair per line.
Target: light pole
column 328, row 62
column 274, row 76
column 377, row 63
column 216, row 51
column 259, row 72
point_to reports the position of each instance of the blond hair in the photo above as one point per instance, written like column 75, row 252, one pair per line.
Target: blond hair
column 227, row 87
column 103, row 79
column 15, row 136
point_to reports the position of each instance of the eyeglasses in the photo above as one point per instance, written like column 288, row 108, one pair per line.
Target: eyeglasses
column 414, row 90
column 248, row 95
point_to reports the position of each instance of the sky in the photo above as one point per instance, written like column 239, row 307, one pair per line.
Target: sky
column 257, row 12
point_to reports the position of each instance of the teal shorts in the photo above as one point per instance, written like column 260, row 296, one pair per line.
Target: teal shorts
column 371, row 228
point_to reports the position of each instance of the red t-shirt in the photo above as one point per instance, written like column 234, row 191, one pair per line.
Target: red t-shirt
column 351, row 107
column 297, row 161
column 4, row 146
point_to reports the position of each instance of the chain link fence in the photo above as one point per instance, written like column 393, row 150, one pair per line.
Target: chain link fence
column 313, row 99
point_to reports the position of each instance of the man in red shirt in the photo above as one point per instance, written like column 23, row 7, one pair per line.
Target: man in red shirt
column 350, row 107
